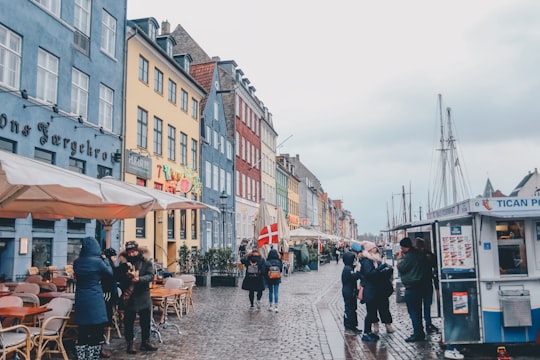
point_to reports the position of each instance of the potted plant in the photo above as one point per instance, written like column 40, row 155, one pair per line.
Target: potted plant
column 313, row 258
column 193, row 262
column 224, row 268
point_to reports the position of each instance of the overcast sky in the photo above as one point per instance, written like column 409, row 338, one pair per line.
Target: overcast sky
column 356, row 84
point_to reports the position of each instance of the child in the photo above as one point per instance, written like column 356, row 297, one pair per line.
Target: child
column 349, row 279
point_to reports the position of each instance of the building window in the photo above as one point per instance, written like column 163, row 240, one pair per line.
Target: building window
column 142, row 128
column 106, row 101
column 108, row 34
column 194, row 154
column 511, row 247
column 140, row 228
column 73, row 249
column 51, row 5
column 79, row 93
column 184, row 99
column 152, row 31
column 194, row 109
column 143, row 69
column 10, row 58
column 103, row 171
column 77, row 165
column 44, row 156
column 82, row 16
column 172, row 91
column 193, row 224
column 171, row 142
column 158, row 81
column 183, row 149
column 170, row 225
column 183, row 224
column 208, row 174
column 229, row 150
column 216, row 111
column 158, row 136
column 41, row 248
column 215, row 177
column 47, row 77
column 216, row 140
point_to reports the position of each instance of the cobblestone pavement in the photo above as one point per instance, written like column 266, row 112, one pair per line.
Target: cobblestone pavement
column 309, row 325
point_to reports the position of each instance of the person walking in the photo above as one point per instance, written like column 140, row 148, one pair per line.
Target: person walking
column 336, row 255
column 412, row 267
column 375, row 278
column 349, row 291
column 135, row 275
column 110, row 292
column 272, row 276
column 89, row 269
column 254, row 281
column 431, row 280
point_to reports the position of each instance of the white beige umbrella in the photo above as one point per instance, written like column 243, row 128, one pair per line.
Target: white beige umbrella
column 283, row 231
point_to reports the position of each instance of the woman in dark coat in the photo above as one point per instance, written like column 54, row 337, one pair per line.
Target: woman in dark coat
column 253, row 281
column 90, row 312
column 349, row 291
column 273, row 284
column 376, row 280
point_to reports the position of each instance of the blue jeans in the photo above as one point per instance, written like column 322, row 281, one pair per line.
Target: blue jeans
column 273, row 293
column 413, row 299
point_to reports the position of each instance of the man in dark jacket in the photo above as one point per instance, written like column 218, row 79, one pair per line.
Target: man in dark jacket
column 411, row 267
column 135, row 276
column 431, row 280
column 349, row 290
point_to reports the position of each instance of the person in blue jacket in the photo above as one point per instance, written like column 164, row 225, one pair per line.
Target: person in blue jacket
column 273, row 284
column 90, row 311
column 349, row 281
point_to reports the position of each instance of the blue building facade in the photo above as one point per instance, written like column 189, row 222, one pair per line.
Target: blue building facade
column 217, row 162
column 61, row 102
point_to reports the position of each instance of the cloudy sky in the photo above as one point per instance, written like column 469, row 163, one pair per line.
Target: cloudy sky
column 356, row 84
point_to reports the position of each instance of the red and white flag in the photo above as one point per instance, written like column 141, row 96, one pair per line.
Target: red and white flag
column 268, row 235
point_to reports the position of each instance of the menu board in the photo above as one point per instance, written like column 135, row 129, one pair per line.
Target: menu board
column 457, row 248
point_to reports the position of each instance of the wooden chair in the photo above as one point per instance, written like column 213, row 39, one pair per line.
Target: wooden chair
column 34, row 270
column 15, row 339
column 170, row 302
column 189, row 282
column 48, row 337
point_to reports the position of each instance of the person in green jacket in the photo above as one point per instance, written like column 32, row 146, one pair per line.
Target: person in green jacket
column 412, row 268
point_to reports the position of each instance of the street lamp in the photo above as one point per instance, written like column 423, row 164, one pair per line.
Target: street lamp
column 223, row 207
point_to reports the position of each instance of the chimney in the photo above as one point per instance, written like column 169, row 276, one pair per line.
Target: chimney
column 165, row 27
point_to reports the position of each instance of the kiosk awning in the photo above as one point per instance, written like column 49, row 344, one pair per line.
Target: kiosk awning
column 512, row 214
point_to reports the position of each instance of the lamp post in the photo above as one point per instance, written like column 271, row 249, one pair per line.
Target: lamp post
column 223, row 207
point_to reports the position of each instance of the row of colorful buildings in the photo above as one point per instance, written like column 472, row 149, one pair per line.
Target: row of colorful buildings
column 84, row 88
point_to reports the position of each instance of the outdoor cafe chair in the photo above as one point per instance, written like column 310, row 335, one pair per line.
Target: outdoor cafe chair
column 173, row 302
column 10, row 300
column 48, row 336
column 29, row 300
column 189, row 282
column 15, row 339
column 27, row 287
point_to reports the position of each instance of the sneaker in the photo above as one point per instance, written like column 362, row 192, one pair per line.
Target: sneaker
column 276, row 309
column 389, row 328
column 370, row 337
column 415, row 338
column 258, row 303
column 376, row 328
column 431, row 328
column 270, row 307
column 453, row 354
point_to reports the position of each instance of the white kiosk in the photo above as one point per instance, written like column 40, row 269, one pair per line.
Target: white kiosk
column 489, row 268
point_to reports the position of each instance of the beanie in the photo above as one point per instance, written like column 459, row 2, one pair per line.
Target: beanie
column 406, row 242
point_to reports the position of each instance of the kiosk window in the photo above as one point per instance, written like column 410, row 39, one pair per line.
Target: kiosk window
column 511, row 246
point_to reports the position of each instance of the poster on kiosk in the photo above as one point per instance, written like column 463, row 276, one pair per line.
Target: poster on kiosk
column 489, row 269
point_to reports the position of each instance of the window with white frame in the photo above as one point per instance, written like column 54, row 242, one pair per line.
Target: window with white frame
column 106, row 100
column 108, row 34
column 243, row 148
column 237, row 143
column 222, row 184
column 51, row 5
column 215, row 177
column 47, row 77
column 194, row 108
column 222, row 144
column 158, row 81
column 184, row 99
column 207, row 174
column 229, row 150
column 79, row 93
column 244, row 186
column 143, row 69
column 172, row 91
column 229, row 184
column 208, row 134
column 10, row 58
column 142, row 128
column 216, row 111
column 82, row 16
column 151, row 31
column 237, row 183
column 183, row 149
column 216, row 140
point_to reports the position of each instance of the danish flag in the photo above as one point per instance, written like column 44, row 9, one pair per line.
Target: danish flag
column 268, row 235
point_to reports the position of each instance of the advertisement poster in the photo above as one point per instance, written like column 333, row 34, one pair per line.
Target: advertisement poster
column 459, row 303
column 457, row 248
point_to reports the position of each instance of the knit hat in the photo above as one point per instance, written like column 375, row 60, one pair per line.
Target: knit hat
column 406, row 242
column 368, row 245
column 132, row 245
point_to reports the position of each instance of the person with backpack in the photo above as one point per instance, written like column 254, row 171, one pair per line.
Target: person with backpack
column 254, row 280
column 272, row 275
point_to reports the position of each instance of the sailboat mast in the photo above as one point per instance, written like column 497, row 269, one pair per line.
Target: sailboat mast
column 443, row 155
column 452, row 153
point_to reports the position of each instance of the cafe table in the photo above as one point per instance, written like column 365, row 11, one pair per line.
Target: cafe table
column 164, row 294
column 21, row 312
column 45, row 297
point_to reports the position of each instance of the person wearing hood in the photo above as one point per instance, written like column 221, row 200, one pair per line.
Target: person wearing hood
column 273, row 278
column 376, row 279
column 135, row 275
column 89, row 268
column 349, row 291
column 254, row 281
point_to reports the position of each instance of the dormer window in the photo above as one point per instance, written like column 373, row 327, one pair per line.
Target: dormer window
column 169, row 48
column 187, row 64
column 151, row 31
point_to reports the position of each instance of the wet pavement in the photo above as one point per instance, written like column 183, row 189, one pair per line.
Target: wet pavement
column 309, row 325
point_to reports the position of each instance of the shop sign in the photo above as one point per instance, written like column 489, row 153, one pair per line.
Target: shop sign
column 138, row 164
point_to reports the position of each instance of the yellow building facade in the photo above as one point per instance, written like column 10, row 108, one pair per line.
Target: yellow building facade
column 161, row 139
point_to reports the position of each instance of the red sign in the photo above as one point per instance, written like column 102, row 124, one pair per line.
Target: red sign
column 268, row 235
